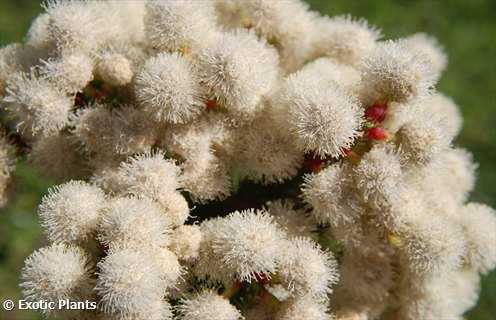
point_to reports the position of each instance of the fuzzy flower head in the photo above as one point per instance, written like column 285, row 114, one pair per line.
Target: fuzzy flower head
column 76, row 25
column 294, row 221
column 71, row 212
column 185, row 242
column 103, row 130
column 38, row 35
column 303, row 308
column 378, row 175
column 330, row 70
column 269, row 156
column 431, row 49
column 70, row 73
column 326, row 192
column 431, row 245
column 168, row 89
column 175, row 207
column 11, row 57
column 456, row 170
column 208, row 305
column 322, row 116
column 85, row 26
column 446, row 109
column 287, row 25
column 392, row 72
column 39, row 106
column 307, row 269
column 366, row 276
column 208, row 263
column 56, row 272
column 479, row 224
column 248, row 243
column 130, row 284
column 446, row 296
column 169, row 266
column 58, row 156
column 345, row 39
column 150, row 174
column 238, row 70
column 133, row 222
column 422, row 139
column 205, row 176
column 179, row 25
column 115, row 69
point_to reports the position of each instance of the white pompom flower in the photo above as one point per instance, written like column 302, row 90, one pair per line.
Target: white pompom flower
column 131, row 222
column 130, row 284
column 446, row 109
column 175, row 207
column 115, row 69
column 323, row 117
column 330, row 70
column 305, row 269
column 208, row 305
column 378, row 175
column 303, row 308
column 185, row 242
column 11, row 62
column 330, row 195
column 70, row 212
column 208, row 265
column 38, row 35
column 169, row 266
column 392, row 72
column 168, row 88
column 266, row 155
column 38, row 106
column 430, row 243
column 205, row 176
column 456, row 170
column 85, row 26
column 345, row 39
column 56, row 273
column 422, row 139
column 248, row 243
column 108, row 131
column 203, row 145
column 158, row 310
column 70, row 73
column 58, row 156
column 185, row 25
column 366, row 277
column 431, row 49
column 479, row 224
column 295, row 221
column 444, row 296
column 238, row 71
column 287, row 25
column 150, row 174
column 76, row 25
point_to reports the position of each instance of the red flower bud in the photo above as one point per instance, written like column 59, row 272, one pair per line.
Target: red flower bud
column 314, row 164
column 210, row 104
column 376, row 133
column 376, row 112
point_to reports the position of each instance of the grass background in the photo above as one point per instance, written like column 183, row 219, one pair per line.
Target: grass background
column 466, row 29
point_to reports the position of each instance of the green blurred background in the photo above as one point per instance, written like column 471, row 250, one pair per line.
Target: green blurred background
column 466, row 28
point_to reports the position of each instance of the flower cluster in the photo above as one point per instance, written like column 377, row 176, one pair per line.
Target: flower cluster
column 148, row 112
